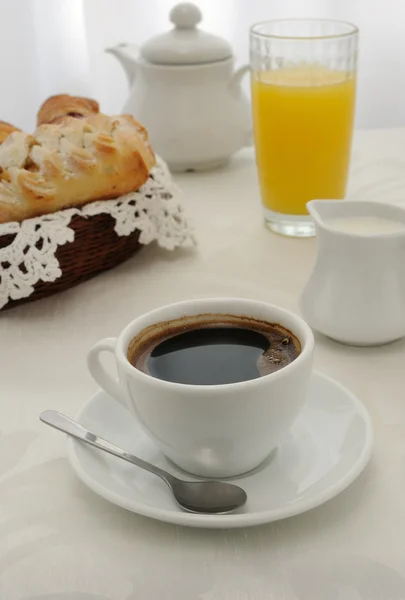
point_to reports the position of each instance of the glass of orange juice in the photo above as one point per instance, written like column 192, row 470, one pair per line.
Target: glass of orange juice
column 303, row 97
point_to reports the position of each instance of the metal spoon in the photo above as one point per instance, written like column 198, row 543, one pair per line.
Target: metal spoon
column 210, row 497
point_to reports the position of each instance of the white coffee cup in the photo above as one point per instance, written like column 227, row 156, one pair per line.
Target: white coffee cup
column 218, row 430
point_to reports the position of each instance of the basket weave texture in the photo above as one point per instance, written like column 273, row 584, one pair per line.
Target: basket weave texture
column 96, row 248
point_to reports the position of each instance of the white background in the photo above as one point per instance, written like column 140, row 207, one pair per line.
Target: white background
column 53, row 46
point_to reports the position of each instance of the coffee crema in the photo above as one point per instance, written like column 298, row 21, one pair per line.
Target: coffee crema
column 212, row 349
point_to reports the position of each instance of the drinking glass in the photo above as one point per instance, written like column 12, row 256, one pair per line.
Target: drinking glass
column 303, row 97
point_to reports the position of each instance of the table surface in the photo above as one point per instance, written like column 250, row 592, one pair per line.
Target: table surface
column 58, row 540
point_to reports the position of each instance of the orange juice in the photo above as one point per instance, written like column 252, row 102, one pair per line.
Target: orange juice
column 303, row 119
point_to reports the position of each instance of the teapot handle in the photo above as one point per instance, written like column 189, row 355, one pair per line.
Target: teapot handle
column 236, row 79
column 235, row 88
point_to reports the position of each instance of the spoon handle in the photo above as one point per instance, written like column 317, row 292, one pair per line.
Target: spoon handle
column 74, row 429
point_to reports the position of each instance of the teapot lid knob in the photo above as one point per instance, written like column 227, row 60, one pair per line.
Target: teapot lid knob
column 185, row 15
column 186, row 44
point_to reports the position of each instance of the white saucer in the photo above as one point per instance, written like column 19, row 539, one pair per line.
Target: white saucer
column 326, row 450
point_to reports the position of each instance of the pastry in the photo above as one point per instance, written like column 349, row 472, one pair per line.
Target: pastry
column 5, row 130
column 57, row 108
column 71, row 163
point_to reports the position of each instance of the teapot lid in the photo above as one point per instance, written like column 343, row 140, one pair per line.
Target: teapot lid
column 185, row 44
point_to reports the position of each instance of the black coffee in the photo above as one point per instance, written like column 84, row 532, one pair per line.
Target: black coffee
column 212, row 349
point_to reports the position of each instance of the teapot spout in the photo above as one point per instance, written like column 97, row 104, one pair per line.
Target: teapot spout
column 127, row 55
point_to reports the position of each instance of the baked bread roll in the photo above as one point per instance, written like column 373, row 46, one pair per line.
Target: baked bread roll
column 71, row 164
column 57, row 108
column 5, row 130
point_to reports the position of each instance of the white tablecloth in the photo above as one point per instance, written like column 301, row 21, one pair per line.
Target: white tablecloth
column 60, row 541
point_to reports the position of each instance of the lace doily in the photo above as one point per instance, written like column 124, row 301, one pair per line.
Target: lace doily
column 155, row 210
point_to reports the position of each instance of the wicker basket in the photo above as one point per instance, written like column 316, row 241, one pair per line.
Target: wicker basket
column 49, row 254
column 96, row 248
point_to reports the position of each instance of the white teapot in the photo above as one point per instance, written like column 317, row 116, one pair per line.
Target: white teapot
column 185, row 91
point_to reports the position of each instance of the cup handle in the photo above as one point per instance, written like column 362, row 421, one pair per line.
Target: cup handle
column 110, row 385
